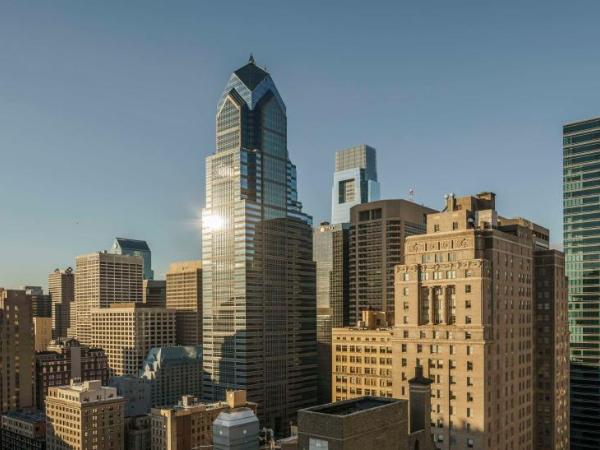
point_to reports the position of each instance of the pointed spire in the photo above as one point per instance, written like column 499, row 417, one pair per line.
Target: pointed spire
column 251, row 59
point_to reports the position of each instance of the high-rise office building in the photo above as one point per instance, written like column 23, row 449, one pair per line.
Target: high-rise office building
column 102, row 279
column 64, row 360
column 354, row 181
column 184, row 295
column 172, row 372
column 465, row 300
column 377, row 234
column 61, row 287
column 41, row 304
column 581, row 163
column 330, row 253
column 32, row 290
column 84, row 416
column 16, row 350
column 551, row 344
column 259, row 308
column 127, row 332
column 361, row 358
column 154, row 293
column 135, row 247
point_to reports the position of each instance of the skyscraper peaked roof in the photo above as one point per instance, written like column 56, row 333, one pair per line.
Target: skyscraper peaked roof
column 132, row 244
column 251, row 83
column 251, row 75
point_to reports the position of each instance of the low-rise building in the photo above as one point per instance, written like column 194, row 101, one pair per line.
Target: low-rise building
column 236, row 429
column 368, row 423
column 23, row 430
column 84, row 416
column 189, row 424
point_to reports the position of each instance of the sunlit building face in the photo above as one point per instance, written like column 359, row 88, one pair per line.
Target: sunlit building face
column 258, row 274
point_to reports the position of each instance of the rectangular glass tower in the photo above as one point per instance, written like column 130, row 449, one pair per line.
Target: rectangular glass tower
column 581, row 183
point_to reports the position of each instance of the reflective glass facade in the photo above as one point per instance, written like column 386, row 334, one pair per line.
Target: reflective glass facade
column 354, row 181
column 135, row 247
column 259, row 318
column 330, row 252
column 581, row 182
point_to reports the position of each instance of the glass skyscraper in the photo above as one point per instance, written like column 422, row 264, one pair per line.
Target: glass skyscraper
column 581, row 182
column 330, row 252
column 135, row 247
column 259, row 307
column 354, row 181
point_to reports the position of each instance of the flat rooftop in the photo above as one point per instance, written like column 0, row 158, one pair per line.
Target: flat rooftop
column 353, row 406
column 32, row 416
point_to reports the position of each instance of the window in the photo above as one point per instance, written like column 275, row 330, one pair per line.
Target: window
column 455, row 225
column 436, row 228
column 467, row 304
column 405, row 291
column 467, row 288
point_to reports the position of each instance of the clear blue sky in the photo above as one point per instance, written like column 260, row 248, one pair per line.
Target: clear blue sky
column 107, row 109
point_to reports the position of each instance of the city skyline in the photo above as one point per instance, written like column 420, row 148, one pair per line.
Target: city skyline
column 87, row 150
column 207, row 248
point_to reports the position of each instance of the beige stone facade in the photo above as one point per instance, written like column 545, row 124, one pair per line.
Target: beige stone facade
column 188, row 425
column 42, row 330
column 464, row 312
column 84, row 416
column 362, row 359
column 102, row 279
column 184, row 295
column 127, row 331
column 16, row 350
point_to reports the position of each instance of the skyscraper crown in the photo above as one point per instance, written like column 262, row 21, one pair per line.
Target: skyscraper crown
column 251, row 83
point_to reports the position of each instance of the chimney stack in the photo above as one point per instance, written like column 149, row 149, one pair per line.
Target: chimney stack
column 419, row 401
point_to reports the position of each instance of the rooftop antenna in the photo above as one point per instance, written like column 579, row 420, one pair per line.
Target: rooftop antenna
column 251, row 59
column 411, row 194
